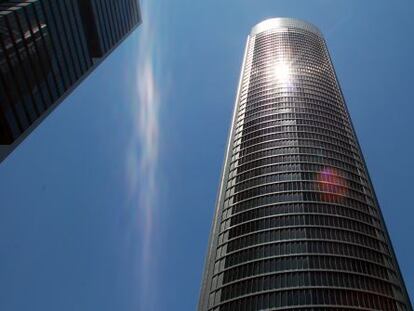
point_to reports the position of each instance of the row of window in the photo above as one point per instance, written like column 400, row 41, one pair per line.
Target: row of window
column 287, row 103
column 311, row 59
column 294, row 162
column 337, row 128
column 349, row 158
column 321, row 78
column 292, row 48
column 272, row 235
column 302, row 196
column 302, row 86
column 291, row 44
column 333, row 127
column 288, row 92
column 296, row 176
column 304, row 74
column 294, row 88
column 263, row 72
column 274, row 265
column 297, row 248
column 321, row 298
column 262, row 61
column 290, row 36
column 280, row 221
column 260, row 93
column 267, row 77
column 305, row 279
column 290, row 117
column 280, row 49
column 268, row 80
column 295, row 208
column 285, row 94
column 325, row 191
column 299, row 129
column 300, row 81
column 296, row 197
column 244, row 143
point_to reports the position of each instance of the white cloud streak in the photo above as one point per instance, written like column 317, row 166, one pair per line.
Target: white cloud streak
column 143, row 156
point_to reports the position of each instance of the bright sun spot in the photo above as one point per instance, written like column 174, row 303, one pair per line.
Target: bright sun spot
column 282, row 72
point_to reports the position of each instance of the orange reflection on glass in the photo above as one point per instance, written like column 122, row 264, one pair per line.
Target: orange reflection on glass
column 331, row 184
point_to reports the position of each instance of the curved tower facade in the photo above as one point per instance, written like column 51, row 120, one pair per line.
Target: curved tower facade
column 297, row 224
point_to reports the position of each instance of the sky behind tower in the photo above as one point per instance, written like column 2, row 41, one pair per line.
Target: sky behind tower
column 108, row 204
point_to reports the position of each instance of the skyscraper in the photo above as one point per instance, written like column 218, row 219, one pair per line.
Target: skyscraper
column 46, row 48
column 297, row 225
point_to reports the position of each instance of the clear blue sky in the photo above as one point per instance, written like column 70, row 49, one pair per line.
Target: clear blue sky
column 108, row 204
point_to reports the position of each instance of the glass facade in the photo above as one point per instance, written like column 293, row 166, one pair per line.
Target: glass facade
column 297, row 224
column 47, row 47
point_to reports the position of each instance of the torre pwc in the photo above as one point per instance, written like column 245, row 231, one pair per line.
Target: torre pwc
column 297, row 225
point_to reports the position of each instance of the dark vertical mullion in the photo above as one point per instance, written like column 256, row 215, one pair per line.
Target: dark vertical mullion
column 107, row 21
column 130, row 12
column 32, row 102
column 113, row 20
column 136, row 11
column 118, row 18
column 41, row 63
column 31, row 73
column 126, row 16
column 6, row 133
column 9, row 126
column 37, row 80
column 122, row 17
column 128, row 5
column 9, row 98
column 35, row 9
column 75, row 38
column 69, row 40
column 59, row 56
column 22, row 122
column 63, row 41
column 81, row 35
column 9, row 102
column 134, row 18
column 102, row 32
column 35, row 23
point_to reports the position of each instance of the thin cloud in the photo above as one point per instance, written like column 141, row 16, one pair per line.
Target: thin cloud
column 143, row 156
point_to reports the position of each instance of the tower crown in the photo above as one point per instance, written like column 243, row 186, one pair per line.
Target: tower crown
column 283, row 23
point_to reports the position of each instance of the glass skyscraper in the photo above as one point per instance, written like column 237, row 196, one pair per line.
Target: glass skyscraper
column 46, row 48
column 297, row 225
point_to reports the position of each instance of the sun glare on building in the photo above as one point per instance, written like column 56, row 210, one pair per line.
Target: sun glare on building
column 282, row 73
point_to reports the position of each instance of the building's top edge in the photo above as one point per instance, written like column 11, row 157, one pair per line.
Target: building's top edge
column 284, row 22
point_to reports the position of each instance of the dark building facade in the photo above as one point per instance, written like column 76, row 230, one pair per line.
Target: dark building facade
column 297, row 225
column 46, row 48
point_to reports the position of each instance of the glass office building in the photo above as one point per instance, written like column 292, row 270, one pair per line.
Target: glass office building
column 46, row 48
column 297, row 225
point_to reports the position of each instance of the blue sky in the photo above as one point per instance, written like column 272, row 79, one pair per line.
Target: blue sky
column 107, row 205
